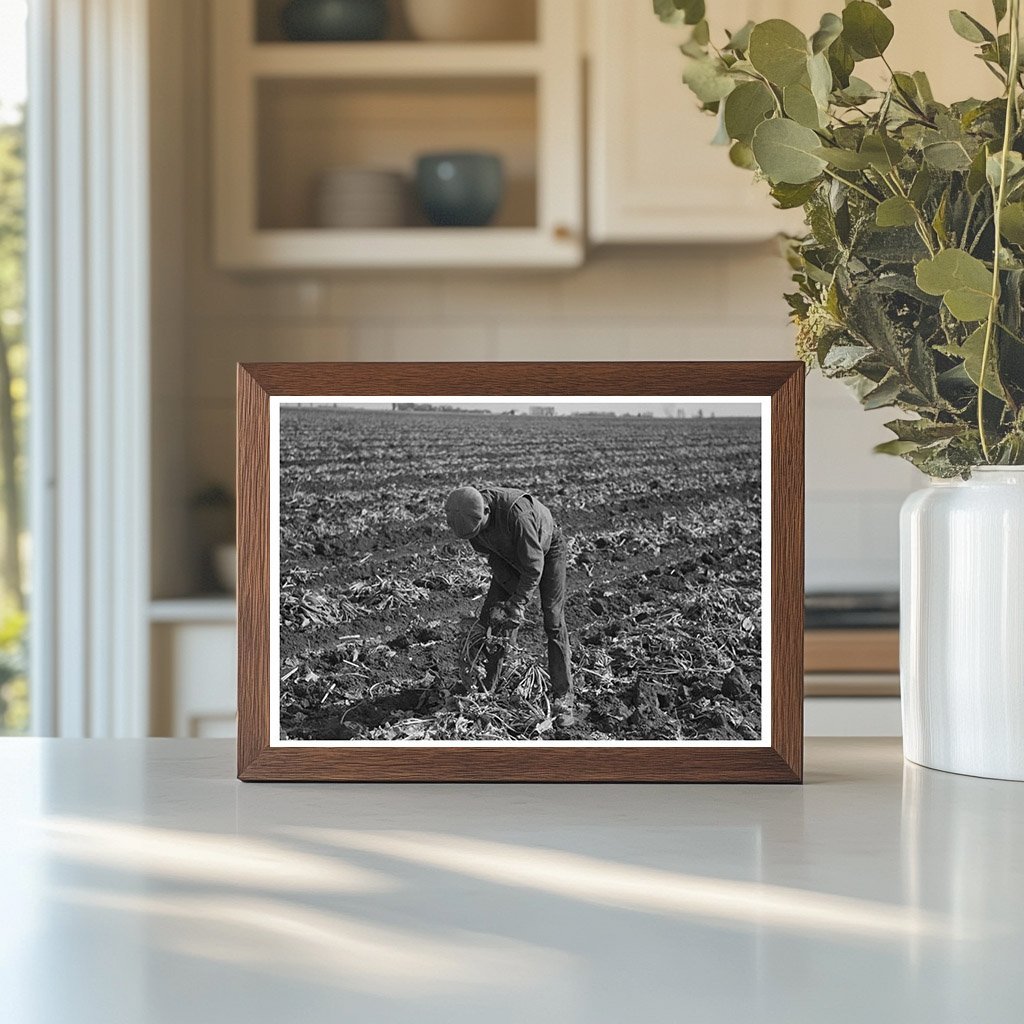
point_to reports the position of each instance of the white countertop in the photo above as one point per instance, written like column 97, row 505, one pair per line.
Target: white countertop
column 143, row 885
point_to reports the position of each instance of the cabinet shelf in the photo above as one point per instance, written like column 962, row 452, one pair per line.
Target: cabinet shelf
column 393, row 60
column 287, row 113
column 310, row 248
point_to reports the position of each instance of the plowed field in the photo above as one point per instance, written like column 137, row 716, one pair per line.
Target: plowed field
column 662, row 521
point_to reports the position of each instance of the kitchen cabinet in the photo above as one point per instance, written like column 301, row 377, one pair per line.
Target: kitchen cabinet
column 192, row 646
column 852, row 682
column 653, row 175
column 287, row 113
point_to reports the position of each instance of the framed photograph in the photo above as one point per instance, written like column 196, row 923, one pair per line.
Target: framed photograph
column 520, row 572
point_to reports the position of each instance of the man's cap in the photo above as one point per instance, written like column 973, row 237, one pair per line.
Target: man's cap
column 464, row 509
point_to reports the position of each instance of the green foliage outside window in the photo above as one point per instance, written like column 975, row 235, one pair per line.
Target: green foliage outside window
column 13, row 411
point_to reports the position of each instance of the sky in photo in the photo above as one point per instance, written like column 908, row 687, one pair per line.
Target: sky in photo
column 659, row 409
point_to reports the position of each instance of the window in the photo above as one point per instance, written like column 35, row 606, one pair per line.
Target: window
column 14, row 548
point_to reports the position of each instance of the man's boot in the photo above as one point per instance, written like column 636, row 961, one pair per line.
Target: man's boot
column 563, row 711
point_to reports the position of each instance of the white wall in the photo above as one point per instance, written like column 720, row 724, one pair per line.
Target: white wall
column 655, row 303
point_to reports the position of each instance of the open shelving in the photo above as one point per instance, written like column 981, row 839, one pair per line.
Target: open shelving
column 285, row 113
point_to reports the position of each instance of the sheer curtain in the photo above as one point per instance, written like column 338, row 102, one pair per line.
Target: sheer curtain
column 88, row 300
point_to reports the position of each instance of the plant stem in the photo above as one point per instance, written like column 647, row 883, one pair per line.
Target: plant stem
column 993, row 309
column 922, row 225
column 768, row 85
column 969, row 218
column 855, row 187
column 908, row 101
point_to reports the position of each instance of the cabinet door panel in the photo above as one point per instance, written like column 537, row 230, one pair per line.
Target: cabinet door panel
column 654, row 175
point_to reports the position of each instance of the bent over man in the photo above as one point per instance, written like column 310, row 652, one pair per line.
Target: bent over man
column 525, row 550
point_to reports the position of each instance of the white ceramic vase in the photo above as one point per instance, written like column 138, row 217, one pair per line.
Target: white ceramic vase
column 962, row 624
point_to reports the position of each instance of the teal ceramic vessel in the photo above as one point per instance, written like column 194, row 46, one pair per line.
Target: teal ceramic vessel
column 334, row 21
column 461, row 190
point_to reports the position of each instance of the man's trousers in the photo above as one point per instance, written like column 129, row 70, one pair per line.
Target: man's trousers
column 552, row 589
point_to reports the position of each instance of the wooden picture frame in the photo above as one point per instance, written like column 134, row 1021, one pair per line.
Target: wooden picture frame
column 778, row 757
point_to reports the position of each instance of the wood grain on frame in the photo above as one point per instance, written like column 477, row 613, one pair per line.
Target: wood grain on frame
column 782, row 761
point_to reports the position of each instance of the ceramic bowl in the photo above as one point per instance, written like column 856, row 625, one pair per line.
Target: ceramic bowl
column 460, row 189
column 334, row 20
column 359, row 197
column 470, row 20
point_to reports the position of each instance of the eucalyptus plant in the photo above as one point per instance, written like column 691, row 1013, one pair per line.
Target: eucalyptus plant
column 910, row 278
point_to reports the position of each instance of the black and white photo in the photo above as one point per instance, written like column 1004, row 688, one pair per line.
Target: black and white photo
column 536, row 570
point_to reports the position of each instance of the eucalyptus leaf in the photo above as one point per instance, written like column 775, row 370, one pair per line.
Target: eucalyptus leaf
column 895, row 212
column 895, row 447
column 739, row 41
column 921, row 185
column 946, row 156
column 820, row 76
column 997, row 53
column 866, row 30
column 883, row 153
column 841, row 60
column 668, row 11
column 800, row 105
column 969, row 28
column 785, row 152
column 844, row 159
column 789, row 197
column 967, row 304
column 1012, row 224
column 779, row 51
column 939, row 220
column 829, row 30
column 695, row 11
column 994, row 169
column 884, row 395
column 963, row 281
column 906, row 87
column 741, row 155
column 858, row 91
column 745, row 108
column 708, row 80
column 976, row 178
column 923, row 431
column 842, row 358
column 675, row 12
column 972, row 353
column 924, row 87
column 721, row 136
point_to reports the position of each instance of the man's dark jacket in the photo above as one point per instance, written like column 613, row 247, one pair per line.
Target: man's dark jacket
column 515, row 539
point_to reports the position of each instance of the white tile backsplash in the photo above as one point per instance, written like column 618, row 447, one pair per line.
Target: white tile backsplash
column 715, row 303
column 564, row 339
column 372, row 296
column 509, row 297
column 645, row 285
